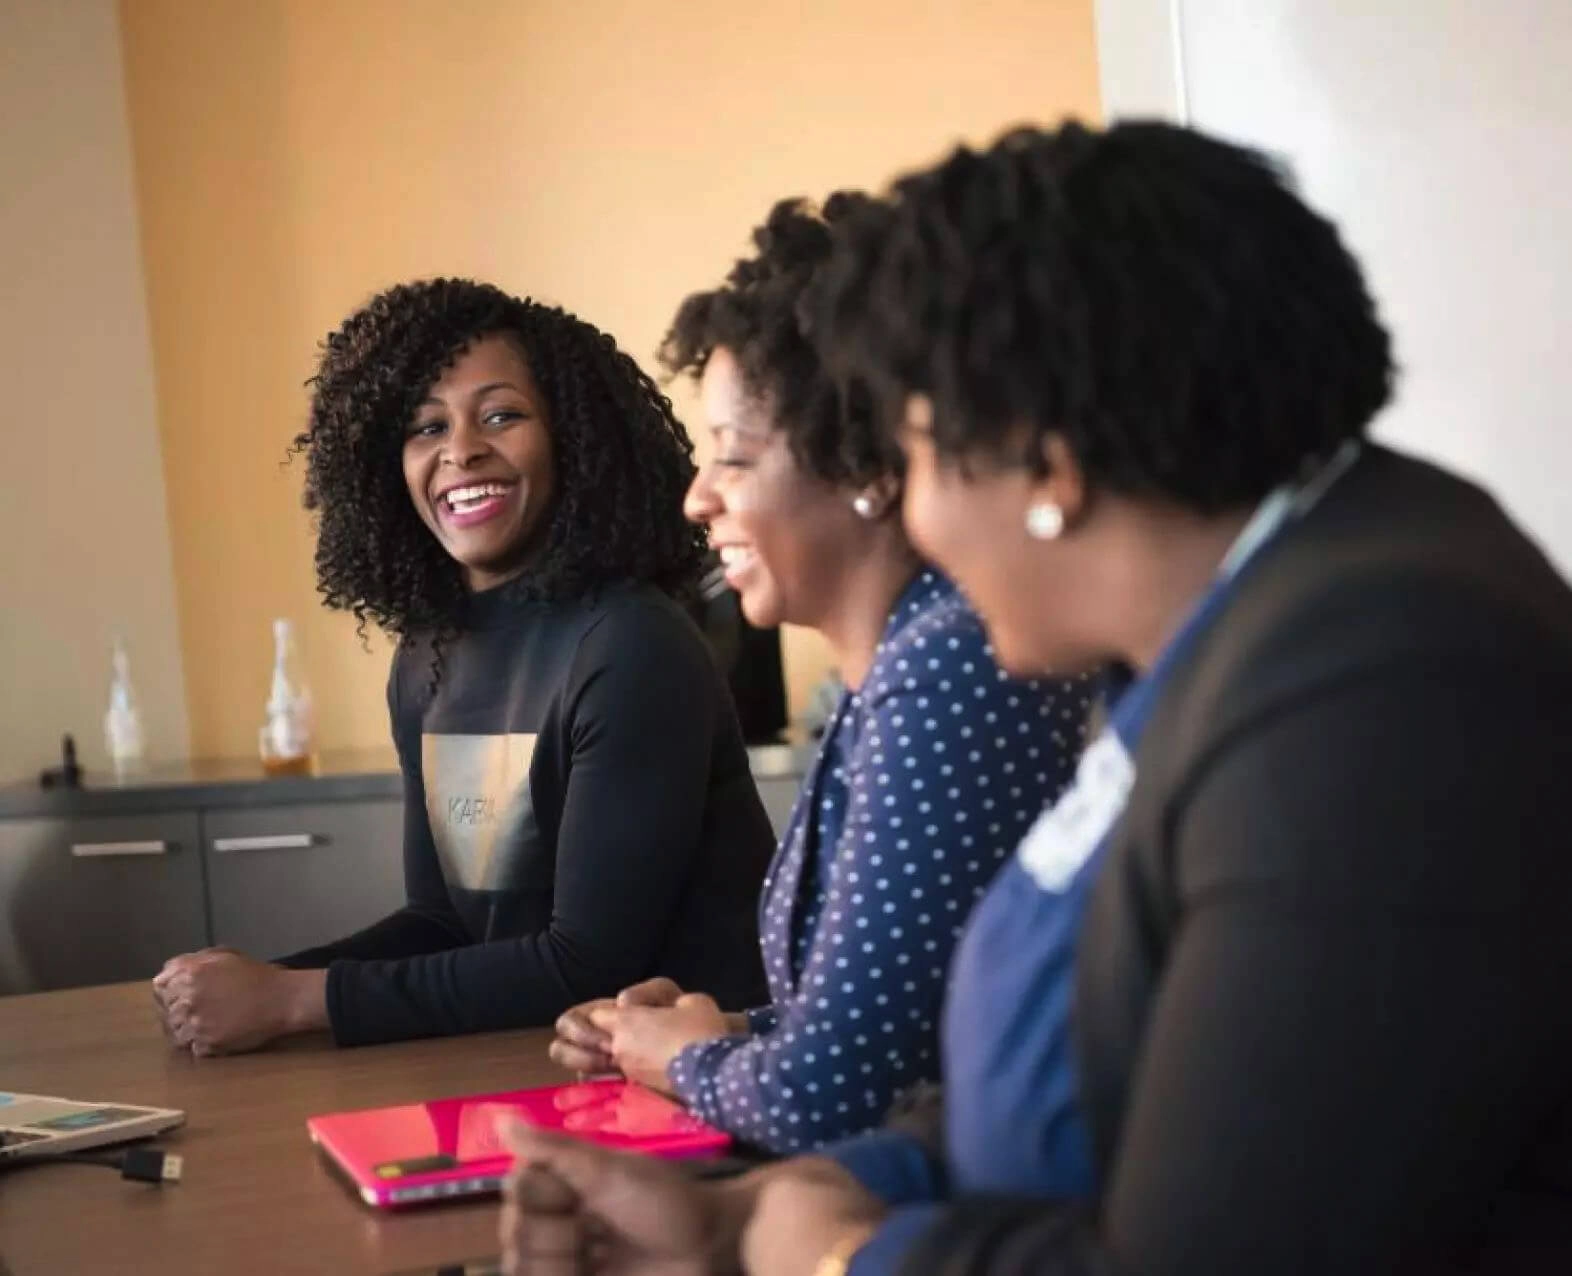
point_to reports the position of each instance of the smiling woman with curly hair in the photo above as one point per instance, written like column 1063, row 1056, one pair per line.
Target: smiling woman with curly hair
column 606, row 505
column 500, row 487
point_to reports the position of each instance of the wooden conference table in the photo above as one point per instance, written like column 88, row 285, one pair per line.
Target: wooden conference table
column 255, row 1196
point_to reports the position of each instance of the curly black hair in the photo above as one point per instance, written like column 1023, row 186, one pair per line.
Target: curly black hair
column 1162, row 300
column 623, row 461
column 757, row 315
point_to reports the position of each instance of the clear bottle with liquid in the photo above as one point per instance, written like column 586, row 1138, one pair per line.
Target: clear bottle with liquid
column 288, row 736
column 123, row 736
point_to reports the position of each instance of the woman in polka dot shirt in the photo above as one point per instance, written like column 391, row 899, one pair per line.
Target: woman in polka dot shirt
column 933, row 766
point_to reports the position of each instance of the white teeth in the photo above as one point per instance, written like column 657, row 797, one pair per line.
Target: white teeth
column 460, row 498
column 734, row 555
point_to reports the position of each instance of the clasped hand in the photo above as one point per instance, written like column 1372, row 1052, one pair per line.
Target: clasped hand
column 572, row 1208
column 639, row 1032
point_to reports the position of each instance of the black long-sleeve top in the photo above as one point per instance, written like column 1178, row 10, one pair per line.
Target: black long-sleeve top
column 1323, row 1012
column 579, row 815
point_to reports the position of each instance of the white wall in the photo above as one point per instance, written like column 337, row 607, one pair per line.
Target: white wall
column 84, row 545
column 1140, row 59
column 1438, row 133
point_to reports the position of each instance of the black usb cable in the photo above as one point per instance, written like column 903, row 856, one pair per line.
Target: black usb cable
column 140, row 1164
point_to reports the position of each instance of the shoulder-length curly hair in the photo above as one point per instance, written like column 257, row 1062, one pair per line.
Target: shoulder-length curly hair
column 1160, row 299
column 758, row 314
column 623, row 461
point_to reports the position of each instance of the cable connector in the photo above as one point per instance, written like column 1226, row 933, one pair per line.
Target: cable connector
column 152, row 1165
column 140, row 1164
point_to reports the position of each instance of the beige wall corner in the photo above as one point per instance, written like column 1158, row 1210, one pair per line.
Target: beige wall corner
column 87, row 550
column 293, row 157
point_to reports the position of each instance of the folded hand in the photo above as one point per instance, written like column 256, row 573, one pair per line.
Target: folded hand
column 583, row 1047
column 570, row 1207
column 218, row 1001
column 642, row 1041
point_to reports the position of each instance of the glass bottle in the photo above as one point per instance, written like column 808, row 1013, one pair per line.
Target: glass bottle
column 287, row 739
column 123, row 735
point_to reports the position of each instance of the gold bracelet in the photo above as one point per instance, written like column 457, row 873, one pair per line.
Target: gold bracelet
column 838, row 1257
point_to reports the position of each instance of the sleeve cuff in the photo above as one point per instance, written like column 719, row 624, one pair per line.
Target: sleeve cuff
column 887, row 1248
column 337, row 973
column 894, row 1167
column 305, row 959
column 692, row 1069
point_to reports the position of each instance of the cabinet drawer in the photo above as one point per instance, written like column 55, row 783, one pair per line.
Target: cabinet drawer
column 283, row 878
column 95, row 900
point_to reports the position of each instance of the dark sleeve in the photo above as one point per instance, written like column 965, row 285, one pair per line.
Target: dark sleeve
column 1002, row 1236
column 1355, row 1032
column 641, row 709
column 428, row 922
column 895, row 1167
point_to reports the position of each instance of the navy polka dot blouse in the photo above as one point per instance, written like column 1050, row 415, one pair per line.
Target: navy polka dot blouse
column 926, row 781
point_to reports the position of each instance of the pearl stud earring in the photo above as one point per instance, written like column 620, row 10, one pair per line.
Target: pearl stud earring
column 1044, row 521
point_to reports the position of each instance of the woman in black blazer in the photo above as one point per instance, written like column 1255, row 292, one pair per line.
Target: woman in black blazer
column 1322, row 1021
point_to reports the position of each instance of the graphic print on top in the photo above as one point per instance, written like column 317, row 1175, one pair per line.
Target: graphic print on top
column 481, row 812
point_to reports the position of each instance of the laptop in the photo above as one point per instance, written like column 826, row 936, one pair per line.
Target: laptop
column 34, row 1125
column 424, row 1152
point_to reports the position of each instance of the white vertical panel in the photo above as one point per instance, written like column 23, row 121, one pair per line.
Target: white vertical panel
column 1140, row 59
column 1438, row 134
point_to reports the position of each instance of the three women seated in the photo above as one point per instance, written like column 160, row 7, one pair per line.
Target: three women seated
column 1275, row 986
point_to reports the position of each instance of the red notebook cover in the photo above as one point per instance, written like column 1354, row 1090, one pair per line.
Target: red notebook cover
column 449, row 1147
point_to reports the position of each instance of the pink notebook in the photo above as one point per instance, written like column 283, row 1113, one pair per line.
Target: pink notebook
column 448, row 1148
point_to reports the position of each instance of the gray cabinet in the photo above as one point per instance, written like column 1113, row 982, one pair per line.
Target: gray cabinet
column 97, row 899
column 106, row 883
column 283, row 878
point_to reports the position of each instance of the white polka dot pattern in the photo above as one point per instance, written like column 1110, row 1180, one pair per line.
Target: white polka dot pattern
column 924, row 785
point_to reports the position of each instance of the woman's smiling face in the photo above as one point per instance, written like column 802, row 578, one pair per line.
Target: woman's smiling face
column 478, row 461
column 783, row 534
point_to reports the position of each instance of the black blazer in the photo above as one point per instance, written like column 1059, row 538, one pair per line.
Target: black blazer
column 1324, row 1007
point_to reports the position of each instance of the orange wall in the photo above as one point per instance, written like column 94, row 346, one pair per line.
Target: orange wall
column 293, row 156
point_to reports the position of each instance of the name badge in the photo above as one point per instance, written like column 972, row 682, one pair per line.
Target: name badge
column 1066, row 835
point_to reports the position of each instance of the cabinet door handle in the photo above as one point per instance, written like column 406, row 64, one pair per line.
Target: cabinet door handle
column 272, row 842
column 97, row 850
